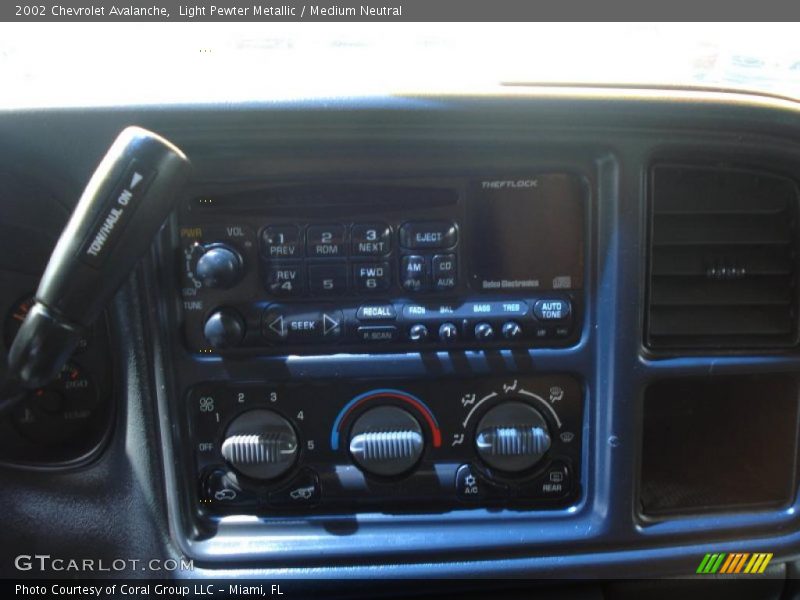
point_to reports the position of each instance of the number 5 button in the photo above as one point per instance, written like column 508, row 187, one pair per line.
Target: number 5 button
column 327, row 278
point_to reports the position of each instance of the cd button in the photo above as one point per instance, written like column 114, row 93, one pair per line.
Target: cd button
column 444, row 271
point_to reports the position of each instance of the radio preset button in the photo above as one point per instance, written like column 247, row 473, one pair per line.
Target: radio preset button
column 428, row 234
column 285, row 279
column 414, row 273
column 301, row 324
column 551, row 310
column 377, row 333
column 281, row 242
column 444, row 271
column 325, row 241
column 376, row 312
column 327, row 278
column 371, row 239
column 372, row 277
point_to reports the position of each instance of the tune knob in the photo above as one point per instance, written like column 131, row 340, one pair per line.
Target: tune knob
column 219, row 266
column 260, row 444
column 512, row 437
column 224, row 328
column 386, row 441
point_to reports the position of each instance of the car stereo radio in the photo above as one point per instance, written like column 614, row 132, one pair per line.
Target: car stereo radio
column 389, row 266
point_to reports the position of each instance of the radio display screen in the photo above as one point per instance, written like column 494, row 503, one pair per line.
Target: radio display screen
column 526, row 234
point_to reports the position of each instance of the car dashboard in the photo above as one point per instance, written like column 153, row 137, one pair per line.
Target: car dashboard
column 531, row 332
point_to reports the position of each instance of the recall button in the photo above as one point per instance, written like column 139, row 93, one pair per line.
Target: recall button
column 376, row 312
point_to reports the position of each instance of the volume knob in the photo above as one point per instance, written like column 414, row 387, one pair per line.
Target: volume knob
column 219, row 266
column 260, row 444
column 386, row 441
column 512, row 437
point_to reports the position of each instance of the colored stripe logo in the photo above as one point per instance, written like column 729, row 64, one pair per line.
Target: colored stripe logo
column 734, row 563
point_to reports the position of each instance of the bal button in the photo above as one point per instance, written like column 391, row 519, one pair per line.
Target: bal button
column 448, row 332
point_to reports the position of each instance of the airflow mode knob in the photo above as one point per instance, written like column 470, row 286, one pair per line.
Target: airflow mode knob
column 512, row 437
column 386, row 441
column 260, row 444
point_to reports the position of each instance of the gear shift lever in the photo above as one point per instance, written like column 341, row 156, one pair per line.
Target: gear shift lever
column 124, row 204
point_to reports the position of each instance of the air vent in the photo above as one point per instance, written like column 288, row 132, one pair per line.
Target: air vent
column 723, row 270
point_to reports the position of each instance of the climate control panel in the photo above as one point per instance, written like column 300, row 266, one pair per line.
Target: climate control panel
column 404, row 445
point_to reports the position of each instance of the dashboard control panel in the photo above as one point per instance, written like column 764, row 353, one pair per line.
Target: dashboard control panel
column 386, row 267
column 340, row 446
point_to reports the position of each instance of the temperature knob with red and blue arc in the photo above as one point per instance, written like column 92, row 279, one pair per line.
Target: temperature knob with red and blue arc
column 386, row 436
